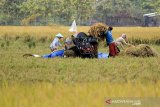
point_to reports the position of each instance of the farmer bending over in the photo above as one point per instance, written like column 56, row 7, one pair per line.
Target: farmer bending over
column 122, row 40
column 56, row 42
column 113, row 51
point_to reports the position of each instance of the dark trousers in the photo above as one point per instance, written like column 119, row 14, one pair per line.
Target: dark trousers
column 113, row 51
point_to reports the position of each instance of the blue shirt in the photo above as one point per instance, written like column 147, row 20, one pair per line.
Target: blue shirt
column 109, row 38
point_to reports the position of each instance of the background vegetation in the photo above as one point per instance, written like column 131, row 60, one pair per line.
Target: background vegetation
column 85, row 12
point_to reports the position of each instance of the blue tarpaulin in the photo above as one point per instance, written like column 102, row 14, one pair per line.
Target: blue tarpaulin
column 102, row 55
column 60, row 53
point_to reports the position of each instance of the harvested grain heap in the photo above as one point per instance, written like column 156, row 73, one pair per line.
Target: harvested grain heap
column 141, row 50
column 98, row 30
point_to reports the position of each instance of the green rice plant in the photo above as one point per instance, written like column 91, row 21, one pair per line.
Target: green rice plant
column 2, row 45
column 7, row 43
column 157, row 41
column 28, row 38
column 43, row 39
column 17, row 37
column 31, row 44
column 6, row 37
column 137, row 41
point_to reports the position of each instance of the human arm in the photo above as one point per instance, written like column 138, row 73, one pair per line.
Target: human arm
column 121, row 45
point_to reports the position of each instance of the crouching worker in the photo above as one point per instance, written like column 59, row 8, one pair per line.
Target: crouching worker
column 69, row 42
column 122, row 40
column 56, row 42
column 113, row 50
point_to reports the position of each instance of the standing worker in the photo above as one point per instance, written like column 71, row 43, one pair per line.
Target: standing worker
column 113, row 51
column 56, row 42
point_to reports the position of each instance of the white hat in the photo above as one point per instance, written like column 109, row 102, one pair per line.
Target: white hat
column 59, row 35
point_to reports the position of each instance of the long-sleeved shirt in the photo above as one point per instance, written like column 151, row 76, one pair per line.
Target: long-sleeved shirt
column 55, row 43
column 109, row 38
column 120, row 40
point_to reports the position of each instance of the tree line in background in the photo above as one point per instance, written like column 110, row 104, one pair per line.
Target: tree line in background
column 85, row 12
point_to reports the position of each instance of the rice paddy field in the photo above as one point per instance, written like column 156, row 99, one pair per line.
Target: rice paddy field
column 74, row 82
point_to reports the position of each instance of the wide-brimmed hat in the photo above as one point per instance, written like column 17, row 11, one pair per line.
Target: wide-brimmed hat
column 59, row 35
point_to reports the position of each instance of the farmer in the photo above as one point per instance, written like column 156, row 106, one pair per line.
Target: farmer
column 69, row 42
column 113, row 51
column 122, row 40
column 56, row 42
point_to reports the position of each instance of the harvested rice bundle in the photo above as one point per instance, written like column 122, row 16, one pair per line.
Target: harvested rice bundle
column 141, row 50
column 98, row 30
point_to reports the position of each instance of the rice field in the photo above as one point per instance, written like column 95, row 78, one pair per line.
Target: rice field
column 39, row 31
column 136, row 35
column 73, row 82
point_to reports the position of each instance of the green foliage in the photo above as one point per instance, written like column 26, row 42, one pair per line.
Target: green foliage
column 31, row 44
column 2, row 45
column 7, row 43
column 17, row 37
column 28, row 38
column 30, row 19
column 44, row 12
column 43, row 39
column 136, row 41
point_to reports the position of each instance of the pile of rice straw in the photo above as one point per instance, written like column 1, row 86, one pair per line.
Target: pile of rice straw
column 142, row 50
column 98, row 30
